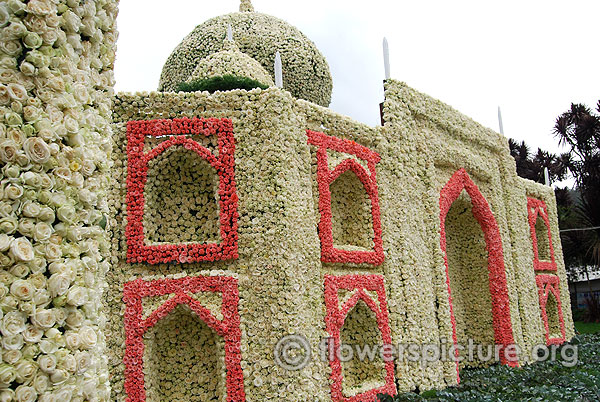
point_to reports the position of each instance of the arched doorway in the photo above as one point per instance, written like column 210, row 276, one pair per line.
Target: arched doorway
column 498, row 301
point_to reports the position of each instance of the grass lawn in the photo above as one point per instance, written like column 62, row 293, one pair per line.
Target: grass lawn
column 541, row 381
column 587, row 327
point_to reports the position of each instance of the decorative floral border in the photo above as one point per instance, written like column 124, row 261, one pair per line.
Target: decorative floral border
column 537, row 207
column 334, row 321
column 546, row 284
column 503, row 332
column 325, row 177
column 135, row 326
column 137, row 169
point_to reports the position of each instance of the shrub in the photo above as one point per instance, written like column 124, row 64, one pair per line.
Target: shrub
column 221, row 83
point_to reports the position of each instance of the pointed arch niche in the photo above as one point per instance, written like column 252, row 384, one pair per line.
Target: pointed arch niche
column 350, row 224
column 182, row 325
column 551, row 308
column 357, row 316
column 202, row 224
column 475, row 275
column 541, row 235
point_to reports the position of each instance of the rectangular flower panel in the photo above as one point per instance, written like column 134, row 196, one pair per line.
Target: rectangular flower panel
column 371, row 290
column 537, row 208
column 182, row 290
column 326, row 176
column 548, row 284
column 180, row 132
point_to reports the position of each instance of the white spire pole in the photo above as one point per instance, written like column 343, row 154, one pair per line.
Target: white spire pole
column 500, row 121
column 547, row 176
column 278, row 72
column 229, row 33
column 386, row 58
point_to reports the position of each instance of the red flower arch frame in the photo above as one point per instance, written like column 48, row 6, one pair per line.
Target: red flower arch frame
column 137, row 170
column 537, row 208
column 326, row 176
column 135, row 327
column 334, row 320
column 503, row 333
column 549, row 284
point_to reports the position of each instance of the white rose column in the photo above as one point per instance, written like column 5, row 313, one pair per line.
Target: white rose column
column 56, row 84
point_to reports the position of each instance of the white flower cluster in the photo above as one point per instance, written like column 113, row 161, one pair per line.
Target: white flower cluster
column 305, row 71
column 191, row 212
column 56, row 77
column 231, row 61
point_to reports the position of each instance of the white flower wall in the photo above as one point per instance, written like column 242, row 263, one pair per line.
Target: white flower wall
column 56, row 79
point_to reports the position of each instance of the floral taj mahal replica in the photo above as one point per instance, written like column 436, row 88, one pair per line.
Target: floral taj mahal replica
column 166, row 246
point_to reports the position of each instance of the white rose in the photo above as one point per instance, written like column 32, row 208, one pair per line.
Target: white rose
column 77, row 296
column 17, row 92
column 88, row 337
column 75, row 318
column 8, row 225
column 7, row 395
column 72, row 339
column 37, row 150
column 32, row 334
column 50, row 398
column 39, row 7
column 5, row 241
column 63, row 394
column 44, row 319
column 42, row 232
column 46, row 214
column 26, row 369
column 66, row 213
column 12, row 356
column 24, row 393
column 13, row 342
column 7, row 375
column 47, row 363
column 84, row 361
column 59, row 376
column 19, row 270
column 26, row 226
column 31, row 179
column 41, row 382
column 13, row 191
column 8, row 150
column 48, row 346
column 13, row 323
column 22, row 289
column 30, row 208
column 53, row 252
column 21, row 249
column 58, row 284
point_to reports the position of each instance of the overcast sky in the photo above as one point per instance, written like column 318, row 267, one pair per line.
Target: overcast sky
column 532, row 58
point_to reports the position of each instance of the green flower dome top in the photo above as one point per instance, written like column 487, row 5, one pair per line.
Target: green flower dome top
column 305, row 71
column 231, row 61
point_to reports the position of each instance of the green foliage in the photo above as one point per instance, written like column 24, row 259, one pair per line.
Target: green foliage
column 587, row 327
column 222, row 83
column 542, row 381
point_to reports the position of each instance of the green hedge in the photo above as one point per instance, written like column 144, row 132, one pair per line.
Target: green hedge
column 222, row 83
column 542, row 381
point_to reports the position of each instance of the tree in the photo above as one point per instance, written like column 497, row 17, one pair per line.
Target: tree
column 531, row 166
column 579, row 130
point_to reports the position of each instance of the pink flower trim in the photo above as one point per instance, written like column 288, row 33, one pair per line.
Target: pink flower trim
column 547, row 284
column 334, row 320
column 503, row 333
column 137, row 170
column 135, row 326
column 537, row 207
column 326, row 176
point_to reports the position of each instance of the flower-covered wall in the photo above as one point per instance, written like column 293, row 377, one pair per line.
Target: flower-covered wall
column 316, row 225
column 56, row 78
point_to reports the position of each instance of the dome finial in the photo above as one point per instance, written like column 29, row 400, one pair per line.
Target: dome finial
column 246, row 6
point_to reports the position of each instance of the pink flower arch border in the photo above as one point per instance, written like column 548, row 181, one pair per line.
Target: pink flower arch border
column 137, row 169
column 334, row 321
column 326, row 176
column 537, row 208
column 135, row 327
column 503, row 332
column 549, row 284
